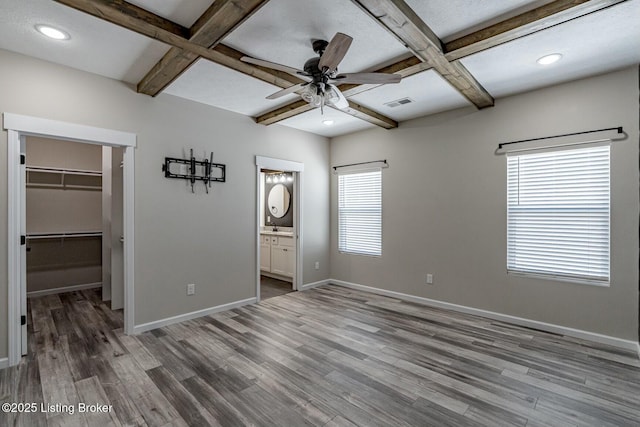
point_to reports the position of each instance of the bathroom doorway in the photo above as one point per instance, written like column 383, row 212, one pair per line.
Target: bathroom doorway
column 279, row 269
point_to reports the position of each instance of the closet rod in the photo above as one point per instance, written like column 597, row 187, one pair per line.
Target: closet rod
column 361, row 163
column 619, row 129
column 43, row 169
column 62, row 235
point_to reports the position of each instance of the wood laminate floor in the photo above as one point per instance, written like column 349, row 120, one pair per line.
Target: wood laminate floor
column 270, row 287
column 326, row 357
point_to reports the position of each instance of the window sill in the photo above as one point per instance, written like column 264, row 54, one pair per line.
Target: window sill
column 577, row 280
column 359, row 254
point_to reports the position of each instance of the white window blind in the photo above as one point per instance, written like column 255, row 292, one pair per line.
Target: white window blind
column 360, row 213
column 558, row 214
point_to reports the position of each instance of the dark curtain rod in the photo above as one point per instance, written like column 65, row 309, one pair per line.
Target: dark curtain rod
column 619, row 129
column 361, row 163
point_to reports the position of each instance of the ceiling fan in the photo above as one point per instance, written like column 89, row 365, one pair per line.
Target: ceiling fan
column 321, row 74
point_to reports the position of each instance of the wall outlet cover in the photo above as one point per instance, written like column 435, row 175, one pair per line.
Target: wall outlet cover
column 429, row 279
column 191, row 289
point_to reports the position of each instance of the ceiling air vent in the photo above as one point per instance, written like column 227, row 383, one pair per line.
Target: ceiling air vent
column 399, row 102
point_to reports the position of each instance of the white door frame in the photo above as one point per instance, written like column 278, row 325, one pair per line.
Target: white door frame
column 17, row 127
column 286, row 166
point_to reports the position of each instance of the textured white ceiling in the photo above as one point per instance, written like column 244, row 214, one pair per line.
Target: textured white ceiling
column 460, row 17
column 311, row 121
column 213, row 84
column 183, row 12
column 590, row 45
column 429, row 91
column 95, row 45
column 282, row 30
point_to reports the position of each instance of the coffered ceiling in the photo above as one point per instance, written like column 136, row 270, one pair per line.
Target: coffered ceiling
column 452, row 54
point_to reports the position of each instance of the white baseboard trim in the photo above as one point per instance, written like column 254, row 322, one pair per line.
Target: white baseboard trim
column 71, row 288
column 549, row 327
column 315, row 284
column 638, row 345
column 4, row 362
column 192, row 315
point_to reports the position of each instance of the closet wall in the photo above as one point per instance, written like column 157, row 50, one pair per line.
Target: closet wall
column 63, row 214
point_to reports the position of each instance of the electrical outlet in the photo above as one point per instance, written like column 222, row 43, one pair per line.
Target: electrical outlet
column 429, row 279
column 317, row 265
column 191, row 289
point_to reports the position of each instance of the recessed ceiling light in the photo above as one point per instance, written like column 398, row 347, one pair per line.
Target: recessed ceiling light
column 52, row 33
column 327, row 122
column 549, row 59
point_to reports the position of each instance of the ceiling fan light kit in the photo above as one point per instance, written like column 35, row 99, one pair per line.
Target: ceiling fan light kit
column 322, row 71
column 310, row 95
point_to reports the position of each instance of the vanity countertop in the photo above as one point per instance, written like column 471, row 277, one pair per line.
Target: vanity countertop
column 277, row 233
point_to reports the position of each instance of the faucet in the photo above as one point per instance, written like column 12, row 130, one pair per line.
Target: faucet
column 275, row 227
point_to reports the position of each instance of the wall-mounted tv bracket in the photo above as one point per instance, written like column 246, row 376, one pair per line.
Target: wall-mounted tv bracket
column 194, row 170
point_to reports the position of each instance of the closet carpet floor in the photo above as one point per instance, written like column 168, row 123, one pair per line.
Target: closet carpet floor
column 329, row 356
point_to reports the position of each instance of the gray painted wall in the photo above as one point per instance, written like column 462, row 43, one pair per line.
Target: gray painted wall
column 444, row 206
column 181, row 238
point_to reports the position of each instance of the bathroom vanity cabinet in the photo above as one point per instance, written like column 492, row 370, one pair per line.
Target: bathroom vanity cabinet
column 278, row 255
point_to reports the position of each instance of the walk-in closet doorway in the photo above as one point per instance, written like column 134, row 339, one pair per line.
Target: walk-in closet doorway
column 20, row 129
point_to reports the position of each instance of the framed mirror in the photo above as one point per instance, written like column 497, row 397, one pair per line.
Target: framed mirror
column 279, row 200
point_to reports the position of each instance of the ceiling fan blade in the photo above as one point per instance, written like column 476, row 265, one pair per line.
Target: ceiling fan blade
column 368, row 78
column 272, row 65
column 338, row 101
column 335, row 51
column 287, row 91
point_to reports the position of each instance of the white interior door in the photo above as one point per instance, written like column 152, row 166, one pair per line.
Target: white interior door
column 106, row 223
column 117, row 230
column 23, row 250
